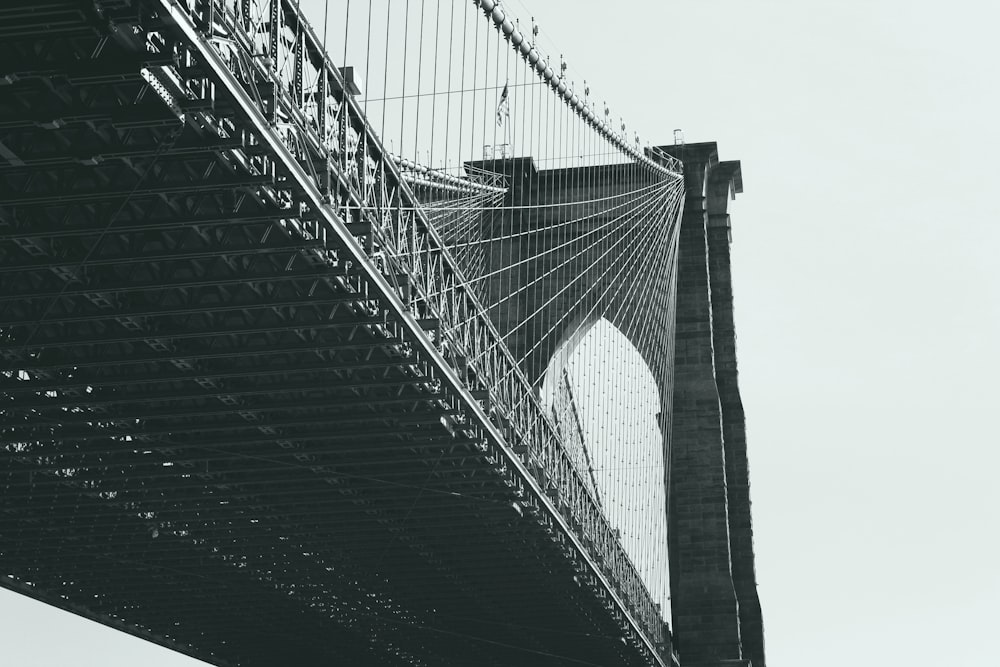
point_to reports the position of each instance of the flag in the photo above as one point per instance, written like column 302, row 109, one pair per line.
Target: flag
column 503, row 108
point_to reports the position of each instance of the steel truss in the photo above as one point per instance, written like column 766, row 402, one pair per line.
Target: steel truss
column 234, row 348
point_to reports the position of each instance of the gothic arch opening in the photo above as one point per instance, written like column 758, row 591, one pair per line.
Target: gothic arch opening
column 605, row 403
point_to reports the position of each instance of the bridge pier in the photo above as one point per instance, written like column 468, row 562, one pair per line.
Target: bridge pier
column 716, row 612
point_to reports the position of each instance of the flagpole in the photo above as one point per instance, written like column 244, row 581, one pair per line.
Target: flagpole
column 503, row 116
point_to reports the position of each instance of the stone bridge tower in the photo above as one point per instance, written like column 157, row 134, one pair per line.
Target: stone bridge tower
column 716, row 613
column 717, row 618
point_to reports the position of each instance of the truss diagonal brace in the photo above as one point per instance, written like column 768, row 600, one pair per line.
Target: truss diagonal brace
column 218, row 69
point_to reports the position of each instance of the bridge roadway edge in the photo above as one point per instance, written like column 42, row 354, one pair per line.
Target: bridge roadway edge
column 407, row 319
column 86, row 514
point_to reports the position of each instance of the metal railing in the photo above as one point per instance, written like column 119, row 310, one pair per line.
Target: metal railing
column 266, row 56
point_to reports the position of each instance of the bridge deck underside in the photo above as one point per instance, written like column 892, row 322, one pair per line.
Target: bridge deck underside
column 212, row 435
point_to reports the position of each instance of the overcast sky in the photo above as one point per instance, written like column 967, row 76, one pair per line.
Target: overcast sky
column 865, row 282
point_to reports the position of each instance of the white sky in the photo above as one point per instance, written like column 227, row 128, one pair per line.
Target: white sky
column 866, row 297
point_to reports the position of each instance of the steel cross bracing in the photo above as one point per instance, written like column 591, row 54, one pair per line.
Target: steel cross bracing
column 235, row 348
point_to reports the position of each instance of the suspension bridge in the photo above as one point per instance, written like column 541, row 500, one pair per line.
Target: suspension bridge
column 381, row 342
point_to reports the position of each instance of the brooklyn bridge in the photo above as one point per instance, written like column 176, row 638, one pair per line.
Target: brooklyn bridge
column 382, row 342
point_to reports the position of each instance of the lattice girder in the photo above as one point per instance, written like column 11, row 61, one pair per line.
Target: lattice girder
column 246, row 440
